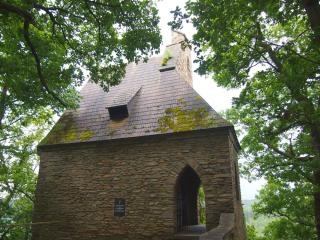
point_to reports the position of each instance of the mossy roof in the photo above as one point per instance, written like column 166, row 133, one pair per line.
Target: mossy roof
column 162, row 102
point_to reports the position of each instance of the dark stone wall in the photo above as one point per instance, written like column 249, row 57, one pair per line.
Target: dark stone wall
column 78, row 183
column 240, row 230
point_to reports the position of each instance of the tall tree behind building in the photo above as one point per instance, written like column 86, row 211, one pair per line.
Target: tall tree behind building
column 271, row 50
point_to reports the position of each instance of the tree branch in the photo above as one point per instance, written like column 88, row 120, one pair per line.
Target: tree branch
column 268, row 49
column 298, row 221
column 293, row 159
column 60, row 25
column 287, row 155
column 52, row 18
column 96, row 18
column 55, row 8
column 297, row 94
column 288, row 46
column 28, row 18
column 276, row 150
column 6, row 7
column 3, row 103
column 26, row 35
column 312, row 8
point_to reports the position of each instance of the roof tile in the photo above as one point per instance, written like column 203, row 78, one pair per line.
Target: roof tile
column 163, row 102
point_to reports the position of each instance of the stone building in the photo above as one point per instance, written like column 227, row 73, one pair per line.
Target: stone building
column 128, row 164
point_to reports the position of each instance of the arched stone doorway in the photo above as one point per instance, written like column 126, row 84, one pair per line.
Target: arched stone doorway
column 188, row 208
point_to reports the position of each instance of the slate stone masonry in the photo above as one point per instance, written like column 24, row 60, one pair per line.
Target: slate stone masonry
column 79, row 182
column 104, row 179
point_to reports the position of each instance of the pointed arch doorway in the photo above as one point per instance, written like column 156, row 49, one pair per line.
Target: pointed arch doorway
column 189, row 206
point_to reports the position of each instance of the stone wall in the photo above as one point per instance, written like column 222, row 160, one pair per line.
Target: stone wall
column 183, row 65
column 239, row 231
column 78, row 183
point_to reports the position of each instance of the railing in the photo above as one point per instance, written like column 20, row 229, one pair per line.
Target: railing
column 224, row 231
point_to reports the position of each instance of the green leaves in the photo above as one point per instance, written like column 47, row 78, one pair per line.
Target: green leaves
column 47, row 50
column 269, row 49
column 292, row 206
column 264, row 48
column 18, row 163
column 65, row 39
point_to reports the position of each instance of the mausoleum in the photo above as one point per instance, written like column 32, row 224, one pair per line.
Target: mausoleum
column 130, row 163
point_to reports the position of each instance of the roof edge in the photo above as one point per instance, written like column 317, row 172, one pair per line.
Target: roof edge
column 176, row 134
column 235, row 140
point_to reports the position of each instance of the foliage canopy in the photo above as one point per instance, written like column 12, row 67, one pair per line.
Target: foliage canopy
column 271, row 50
column 47, row 49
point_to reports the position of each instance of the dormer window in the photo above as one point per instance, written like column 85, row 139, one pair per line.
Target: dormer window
column 119, row 100
column 118, row 112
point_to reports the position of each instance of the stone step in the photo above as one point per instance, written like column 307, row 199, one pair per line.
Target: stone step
column 186, row 236
column 191, row 232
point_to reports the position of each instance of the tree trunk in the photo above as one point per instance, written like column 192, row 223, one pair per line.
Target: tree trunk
column 316, row 175
column 313, row 11
column 3, row 103
column 317, row 201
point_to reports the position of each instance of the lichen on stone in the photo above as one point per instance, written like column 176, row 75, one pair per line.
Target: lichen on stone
column 70, row 136
column 166, row 57
column 179, row 118
column 66, row 131
column 114, row 125
column 63, row 131
column 182, row 101
column 86, row 135
column 117, row 124
column 198, row 98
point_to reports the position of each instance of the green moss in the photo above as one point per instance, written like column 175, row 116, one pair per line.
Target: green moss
column 55, row 134
column 86, row 135
column 178, row 119
column 166, row 57
column 198, row 98
column 70, row 136
column 66, row 130
column 58, row 127
column 181, row 101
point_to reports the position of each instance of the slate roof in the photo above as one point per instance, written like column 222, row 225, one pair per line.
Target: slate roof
column 121, row 95
column 152, row 96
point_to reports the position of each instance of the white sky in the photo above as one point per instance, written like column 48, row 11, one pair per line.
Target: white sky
column 219, row 98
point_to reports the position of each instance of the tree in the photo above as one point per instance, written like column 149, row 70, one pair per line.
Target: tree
column 252, row 233
column 290, row 206
column 48, row 49
column 18, row 164
column 202, row 205
column 271, row 50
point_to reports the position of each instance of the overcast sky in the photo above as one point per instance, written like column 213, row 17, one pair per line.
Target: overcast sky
column 219, row 98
